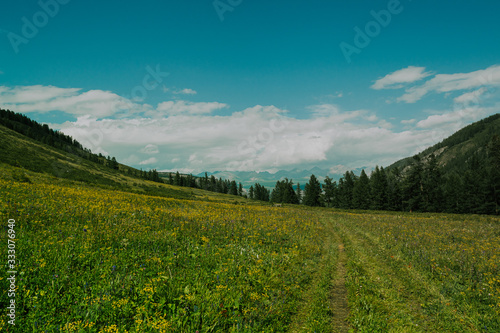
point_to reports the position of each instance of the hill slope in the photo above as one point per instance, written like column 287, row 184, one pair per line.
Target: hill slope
column 27, row 160
column 453, row 152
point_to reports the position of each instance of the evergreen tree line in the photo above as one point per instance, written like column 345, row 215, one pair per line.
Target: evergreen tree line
column 420, row 187
column 207, row 183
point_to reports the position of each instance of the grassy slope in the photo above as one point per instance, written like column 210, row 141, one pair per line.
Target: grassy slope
column 145, row 263
column 36, row 159
column 453, row 151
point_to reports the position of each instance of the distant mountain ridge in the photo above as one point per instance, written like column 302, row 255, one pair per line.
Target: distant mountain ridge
column 265, row 178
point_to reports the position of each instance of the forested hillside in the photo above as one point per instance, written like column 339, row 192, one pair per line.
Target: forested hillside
column 461, row 174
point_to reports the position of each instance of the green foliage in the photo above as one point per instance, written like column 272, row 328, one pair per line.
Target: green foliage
column 312, row 192
column 329, row 192
column 284, row 193
column 260, row 193
column 361, row 192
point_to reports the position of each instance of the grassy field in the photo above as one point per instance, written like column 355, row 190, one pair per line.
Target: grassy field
column 94, row 259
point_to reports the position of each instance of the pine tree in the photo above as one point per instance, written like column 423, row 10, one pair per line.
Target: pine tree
column 312, row 192
column 345, row 190
column 283, row 192
column 329, row 191
column 394, row 194
column 494, row 173
column 453, row 189
column 233, row 188
column 299, row 193
column 361, row 192
column 379, row 189
column 114, row 164
column 177, row 179
column 432, row 187
column 413, row 186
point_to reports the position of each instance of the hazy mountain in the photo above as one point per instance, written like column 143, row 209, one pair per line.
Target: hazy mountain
column 248, row 178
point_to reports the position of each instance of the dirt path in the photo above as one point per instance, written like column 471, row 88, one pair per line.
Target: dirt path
column 339, row 304
column 325, row 308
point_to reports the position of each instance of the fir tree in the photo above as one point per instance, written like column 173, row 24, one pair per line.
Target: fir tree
column 361, row 192
column 312, row 192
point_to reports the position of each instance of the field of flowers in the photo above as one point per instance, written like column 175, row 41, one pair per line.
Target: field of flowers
column 95, row 260
column 99, row 260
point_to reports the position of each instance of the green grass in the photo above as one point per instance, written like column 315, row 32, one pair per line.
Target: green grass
column 90, row 258
column 422, row 273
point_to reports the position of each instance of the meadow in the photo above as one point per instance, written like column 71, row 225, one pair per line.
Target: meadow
column 100, row 260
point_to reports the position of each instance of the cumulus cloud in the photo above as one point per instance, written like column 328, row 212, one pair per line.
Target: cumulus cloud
column 43, row 99
column 185, row 107
column 257, row 138
column 396, row 79
column 470, row 97
column 186, row 136
column 151, row 160
column 457, row 118
column 443, row 83
column 150, row 149
column 186, row 91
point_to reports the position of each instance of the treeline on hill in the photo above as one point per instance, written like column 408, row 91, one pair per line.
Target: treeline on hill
column 225, row 186
column 207, row 183
column 420, row 187
column 42, row 133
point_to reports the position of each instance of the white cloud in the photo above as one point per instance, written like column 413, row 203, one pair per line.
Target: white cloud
column 257, row 138
column 470, row 96
column 396, row 79
column 186, row 91
column 456, row 119
column 151, row 160
column 444, row 83
column 43, row 99
column 150, row 149
column 172, row 108
column 191, row 138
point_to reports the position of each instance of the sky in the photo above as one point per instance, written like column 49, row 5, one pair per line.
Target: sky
column 257, row 85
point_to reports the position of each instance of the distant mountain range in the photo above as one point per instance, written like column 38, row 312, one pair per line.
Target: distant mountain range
column 249, row 178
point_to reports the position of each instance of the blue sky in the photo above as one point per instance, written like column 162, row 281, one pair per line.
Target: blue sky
column 252, row 85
